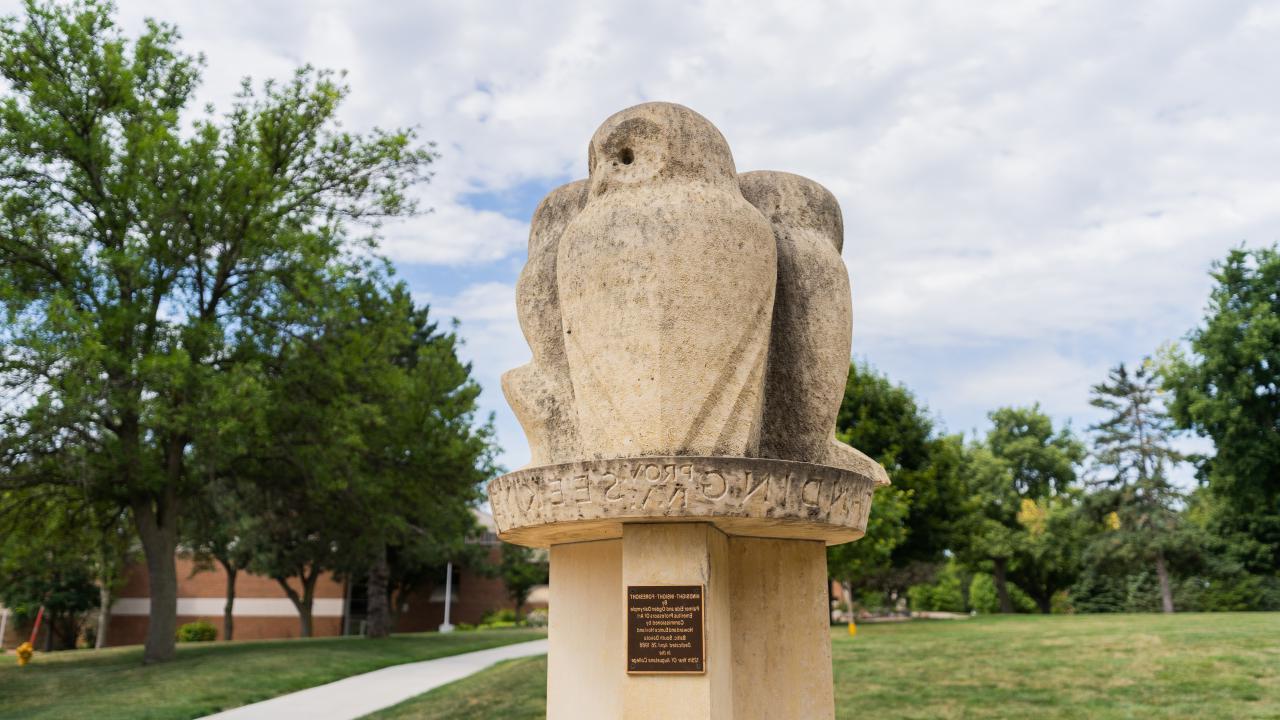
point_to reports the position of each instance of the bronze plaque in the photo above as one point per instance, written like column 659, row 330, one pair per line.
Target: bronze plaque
column 664, row 629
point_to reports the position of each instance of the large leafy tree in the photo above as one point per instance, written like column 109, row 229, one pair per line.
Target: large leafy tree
column 1133, row 449
column 1228, row 390
column 1021, row 485
column 912, row 521
column 139, row 248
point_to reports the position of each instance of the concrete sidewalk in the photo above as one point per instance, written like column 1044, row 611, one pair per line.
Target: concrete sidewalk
column 359, row 695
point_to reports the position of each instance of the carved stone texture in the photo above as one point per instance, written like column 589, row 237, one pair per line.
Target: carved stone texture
column 683, row 319
column 589, row 500
column 666, row 283
column 676, row 308
column 812, row 324
column 540, row 393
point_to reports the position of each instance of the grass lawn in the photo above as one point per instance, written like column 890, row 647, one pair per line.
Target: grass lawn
column 208, row 677
column 1083, row 666
column 511, row 690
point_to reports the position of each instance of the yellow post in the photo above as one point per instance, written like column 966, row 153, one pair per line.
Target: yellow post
column 853, row 629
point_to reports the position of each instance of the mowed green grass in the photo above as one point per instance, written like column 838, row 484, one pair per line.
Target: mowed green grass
column 1081, row 666
column 511, row 690
column 208, row 677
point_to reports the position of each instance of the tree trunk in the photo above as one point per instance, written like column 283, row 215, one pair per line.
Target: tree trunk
column 1045, row 603
column 1002, row 585
column 104, row 616
column 228, row 620
column 304, row 601
column 157, row 529
column 1166, row 594
column 378, row 615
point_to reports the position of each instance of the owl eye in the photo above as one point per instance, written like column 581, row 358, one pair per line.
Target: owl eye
column 626, row 156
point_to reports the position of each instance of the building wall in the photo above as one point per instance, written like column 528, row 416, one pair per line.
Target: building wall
column 262, row 609
column 474, row 596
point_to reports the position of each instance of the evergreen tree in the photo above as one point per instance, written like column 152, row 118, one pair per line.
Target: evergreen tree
column 1132, row 448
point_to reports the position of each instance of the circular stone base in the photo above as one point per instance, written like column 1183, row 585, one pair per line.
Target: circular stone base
column 591, row 499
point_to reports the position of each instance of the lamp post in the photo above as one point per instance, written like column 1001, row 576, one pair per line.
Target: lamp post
column 446, row 626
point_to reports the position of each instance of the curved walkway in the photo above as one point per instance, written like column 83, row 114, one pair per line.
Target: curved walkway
column 359, row 695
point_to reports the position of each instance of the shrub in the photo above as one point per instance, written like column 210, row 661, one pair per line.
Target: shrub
column 946, row 594
column 498, row 616
column 536, row 618
column 198, row 631
column 983, row 597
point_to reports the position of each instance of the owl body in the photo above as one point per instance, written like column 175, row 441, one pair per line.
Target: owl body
column 667, row 281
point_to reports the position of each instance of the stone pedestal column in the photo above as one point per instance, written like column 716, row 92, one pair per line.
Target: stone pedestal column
column 690, row 330
column 767, row 629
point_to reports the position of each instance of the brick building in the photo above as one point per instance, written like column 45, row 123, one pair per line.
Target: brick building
column 262, row 610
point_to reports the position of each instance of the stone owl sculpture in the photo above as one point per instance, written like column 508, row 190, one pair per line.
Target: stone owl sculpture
column 675, row 307
column 540, row 392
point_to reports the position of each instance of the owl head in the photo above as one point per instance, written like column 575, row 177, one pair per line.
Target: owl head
column 792, row 201
column 657, row 143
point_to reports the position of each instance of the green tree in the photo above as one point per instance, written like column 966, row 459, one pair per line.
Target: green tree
column 139, row 248
column 912, row 521
column 427, row 458
column 1020, row 489
column 1228, row 390
column 52, row 552
column 1133, row 450
column 521, row 569
column 989, row 515
column 214, row 530
column 372, row 455
column 1051, row 539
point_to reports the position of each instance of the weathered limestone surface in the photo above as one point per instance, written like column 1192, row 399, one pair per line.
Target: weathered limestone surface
column 812, row 324
column 781, row 629
column 540, row 392
column 689, row 554
column 675, row 307
column 589, row 500
column 588, row 654
column 666, row 284
column 767, row 635
column 690, row 330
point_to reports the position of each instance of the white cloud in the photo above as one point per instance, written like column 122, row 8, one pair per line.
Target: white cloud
column 1023, row 172
column 454, row 234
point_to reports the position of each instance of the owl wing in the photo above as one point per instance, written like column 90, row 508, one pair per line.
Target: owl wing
column 540, row 392
column 812, row 324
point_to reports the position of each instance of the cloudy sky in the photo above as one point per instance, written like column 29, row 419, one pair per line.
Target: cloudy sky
column 1032, row 191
